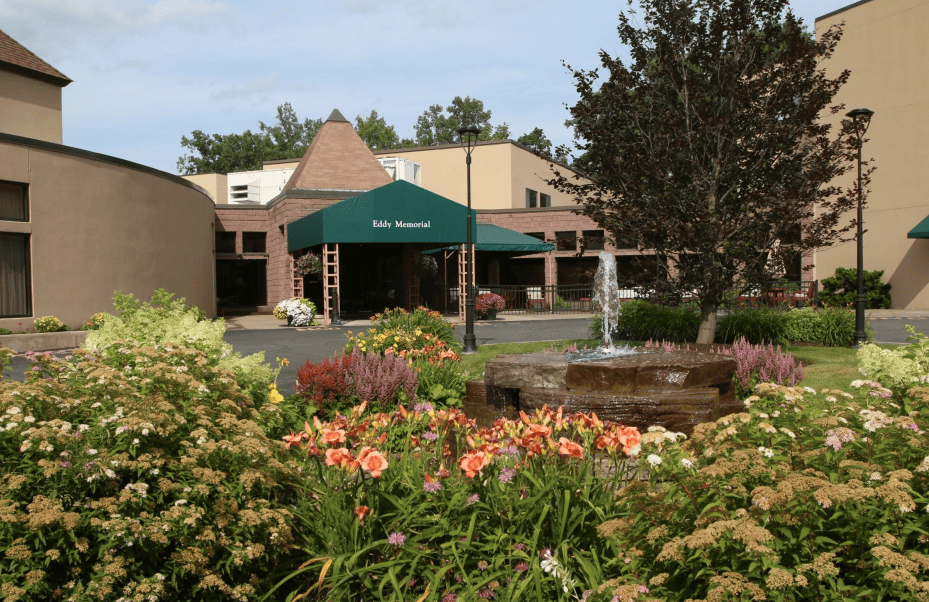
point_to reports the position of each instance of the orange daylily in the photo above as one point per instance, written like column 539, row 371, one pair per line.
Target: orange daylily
column 292, row 439
column 361, row 512
column 472, row 463
column 570, row 448
column 332, row 436
column 372, row 461
column 338, row 456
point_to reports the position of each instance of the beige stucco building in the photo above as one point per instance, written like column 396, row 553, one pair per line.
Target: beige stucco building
column 75, row 226
column 885, row 47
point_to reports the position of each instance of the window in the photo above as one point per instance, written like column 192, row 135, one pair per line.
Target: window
column 14, row 204
column 225, row 242
column 15, row 280
column 545, row 200
column 253, row 242
column 566, row 241
column 593, row 240
column 532, row 198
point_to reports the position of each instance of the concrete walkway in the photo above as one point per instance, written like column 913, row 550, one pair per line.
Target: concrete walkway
column 269, row 322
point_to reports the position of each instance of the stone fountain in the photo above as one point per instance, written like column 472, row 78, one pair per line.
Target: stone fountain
column 637, row 387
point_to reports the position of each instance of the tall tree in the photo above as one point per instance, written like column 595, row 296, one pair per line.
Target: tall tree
column 288, row 136
column 710, row 147
column 376, row 133
column 435, row 127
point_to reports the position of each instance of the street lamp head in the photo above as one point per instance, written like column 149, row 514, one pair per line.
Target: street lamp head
column 862, row 113
column 467, row 136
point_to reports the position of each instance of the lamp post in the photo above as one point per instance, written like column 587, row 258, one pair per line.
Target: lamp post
column 467, row 136
column 860, row 116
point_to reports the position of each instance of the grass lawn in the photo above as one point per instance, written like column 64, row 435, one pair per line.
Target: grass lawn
column 825, row 367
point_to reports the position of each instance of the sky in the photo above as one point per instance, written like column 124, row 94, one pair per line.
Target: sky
column 147, row 72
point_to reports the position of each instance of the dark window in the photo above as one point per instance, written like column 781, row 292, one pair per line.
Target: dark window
column 225, row 242
column 532, row 198
column 15, row 280
column 539, row 235
column 566, row 241
column 545, row 200
column 593, row 240
column 14, row 204
column 253, row 242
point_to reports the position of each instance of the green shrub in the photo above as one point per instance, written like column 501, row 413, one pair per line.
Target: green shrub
column 561, row 303
column 440, row 383
column 804, row 325
column 804, row 496
column 901, row 368
column 838, row 327
column 135, row 472
column 758, row 325
column 5, row 331
column 421, row 319
column 48, row 324
column 167, row 320
column 640, row 321
column 840, row 290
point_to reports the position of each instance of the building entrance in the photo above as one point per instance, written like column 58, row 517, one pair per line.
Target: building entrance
column 372, row 278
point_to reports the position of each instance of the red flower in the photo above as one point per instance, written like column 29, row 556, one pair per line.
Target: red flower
column 570, row 448
column 361, row 512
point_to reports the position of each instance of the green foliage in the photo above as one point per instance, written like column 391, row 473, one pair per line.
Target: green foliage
column 837, row 327
column 758, row 325
column 434, row 127
column 804, row 325
column 441, row 383
column 561, row 303
column 95, row 322
column 900, row 368
column 48, row 324
column 640, row 321
column 167, row 320
column 840, row 290
column 5, row 331
column 135, row 471
column 804, row 496
column 376, row 133
column 408, row 326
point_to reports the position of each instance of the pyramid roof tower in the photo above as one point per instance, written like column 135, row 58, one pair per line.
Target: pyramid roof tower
column 337, row 159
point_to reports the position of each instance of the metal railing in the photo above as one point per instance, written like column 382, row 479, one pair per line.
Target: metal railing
column 578, row 298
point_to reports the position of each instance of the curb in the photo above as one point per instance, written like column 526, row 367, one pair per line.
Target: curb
column 44, row 341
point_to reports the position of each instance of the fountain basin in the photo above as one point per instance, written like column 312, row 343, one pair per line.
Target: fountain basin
column 676, row 389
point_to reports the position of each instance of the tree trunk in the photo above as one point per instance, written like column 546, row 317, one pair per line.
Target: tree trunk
column 707, row 332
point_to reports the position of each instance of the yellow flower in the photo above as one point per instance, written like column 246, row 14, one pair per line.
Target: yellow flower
column 275, row 396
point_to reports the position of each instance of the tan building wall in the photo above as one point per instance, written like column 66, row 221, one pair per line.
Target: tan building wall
column 885, row 47
column 30, row 107
column 216, row 184
column 100, row 224
column 501, row 171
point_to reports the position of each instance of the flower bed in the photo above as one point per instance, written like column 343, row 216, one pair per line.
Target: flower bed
column 419, row 504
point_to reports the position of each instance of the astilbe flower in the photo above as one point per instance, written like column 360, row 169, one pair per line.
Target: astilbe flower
column 381, row 378
column 767, row 363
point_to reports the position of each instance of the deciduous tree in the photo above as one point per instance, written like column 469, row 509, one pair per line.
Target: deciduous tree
column 435, row 127
column 712, row 145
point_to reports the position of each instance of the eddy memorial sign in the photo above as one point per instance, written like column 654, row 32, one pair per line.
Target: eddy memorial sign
column 378, row 223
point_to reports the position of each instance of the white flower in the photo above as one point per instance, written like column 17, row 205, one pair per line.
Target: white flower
column 769, row 453
column 763, row 415
column 155, row 471
column 635, row 449
column 83, row 427
column 29, row 419
column 653, row 459
column 65, row 427
column 810, row 390
column 91, row 452
column 14, row 410
column 180, row 502
column 876, row 476
column 135, row 441
column 144, row 431
column 95, row 405
column 49, row 449
column 109, row 473
column 687, row 462
column 788, row 432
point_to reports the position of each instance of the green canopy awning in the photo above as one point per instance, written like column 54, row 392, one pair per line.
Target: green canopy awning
column 398, row 212
column 921, row 230
column 494, row 238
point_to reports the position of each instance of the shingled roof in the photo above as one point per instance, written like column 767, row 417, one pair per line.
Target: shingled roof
column 17, row 58
column 338, row 159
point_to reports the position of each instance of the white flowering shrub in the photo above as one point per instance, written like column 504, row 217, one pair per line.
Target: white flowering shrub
column 301, row 311
column 900, row 368
column 166, row 320
column 137, row 473
column 804, row 496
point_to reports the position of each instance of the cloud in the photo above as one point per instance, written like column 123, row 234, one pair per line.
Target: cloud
column 259, row 87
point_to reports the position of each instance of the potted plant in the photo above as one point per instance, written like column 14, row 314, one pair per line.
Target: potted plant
column 488, row 304
column 310, row 263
